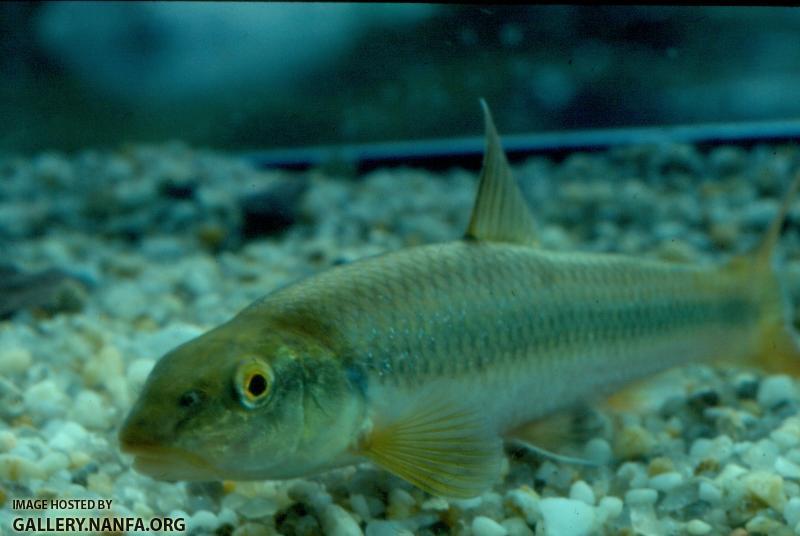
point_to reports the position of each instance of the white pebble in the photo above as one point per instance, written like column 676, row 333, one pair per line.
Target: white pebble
column 610, row 507
column 791, row 511
column 118, row 388
column 786, row 468
column 15, row 468
column 386, row 528
column 761, row 455
column 256, row 507
column 401, row 504
column 710, row 493
column 91, row 411
column 698, row 527
column 634, row 473
column 516, row 526
column 788, row 435
column 202, row 521
column 7, row 440
column 359, row 505
column 599, row 451
column 566, row 516
column 720, row 448
column 337, row 522
column 484, row 526
column 14, row 360
column 438, row 504
column 138, row 371
column 227, row 517
column 52, row 462
column 766, row 486
column 581, row 491
column 45, row 400
column 774, row 390
column 526, row 501
column 641, row 496
column 666, row 481
column 68, row 437
column 731, row 472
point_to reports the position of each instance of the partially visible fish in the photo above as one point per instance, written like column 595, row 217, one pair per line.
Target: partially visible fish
column 424, row 359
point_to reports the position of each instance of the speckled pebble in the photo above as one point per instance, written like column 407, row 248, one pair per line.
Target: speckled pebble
column 768, row 487
column 634, row 441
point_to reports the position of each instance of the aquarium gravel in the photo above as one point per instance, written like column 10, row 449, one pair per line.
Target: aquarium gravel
column 159, row 244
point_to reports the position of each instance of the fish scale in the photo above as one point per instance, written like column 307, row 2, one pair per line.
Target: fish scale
column 532, row 306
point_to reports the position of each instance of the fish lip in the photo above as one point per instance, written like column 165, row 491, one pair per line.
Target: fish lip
column 168, row 463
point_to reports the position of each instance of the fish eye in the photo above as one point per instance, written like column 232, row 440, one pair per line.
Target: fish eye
column 253, row 382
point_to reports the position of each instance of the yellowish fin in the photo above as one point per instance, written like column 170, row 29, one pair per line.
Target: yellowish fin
column 438, row 447
column 777, row 347
column 545, row 436
column 500, row 213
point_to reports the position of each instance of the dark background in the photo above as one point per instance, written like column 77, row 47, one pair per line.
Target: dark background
column 256, row 76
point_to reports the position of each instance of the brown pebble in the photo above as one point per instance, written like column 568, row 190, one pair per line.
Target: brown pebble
column 709, row 465
column 660, row 465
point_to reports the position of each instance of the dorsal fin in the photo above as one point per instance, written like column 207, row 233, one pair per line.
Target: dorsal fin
column 500, row 213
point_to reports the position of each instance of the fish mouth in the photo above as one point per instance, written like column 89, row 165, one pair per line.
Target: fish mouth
column 169, row 463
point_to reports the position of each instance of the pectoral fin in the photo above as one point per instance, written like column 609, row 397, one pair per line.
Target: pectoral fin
column 440, row 448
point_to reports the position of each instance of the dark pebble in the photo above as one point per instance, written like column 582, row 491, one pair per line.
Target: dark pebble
column 50, row 291
column 83, row 473
column 178, row 190
column 296, row 520
column 747, row 388
column 271, row 211
column 703, row 399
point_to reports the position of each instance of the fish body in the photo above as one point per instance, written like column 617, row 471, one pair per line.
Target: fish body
column 423, row 359
column 498, row 324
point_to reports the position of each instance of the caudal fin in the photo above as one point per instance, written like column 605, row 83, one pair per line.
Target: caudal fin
column 777, row 349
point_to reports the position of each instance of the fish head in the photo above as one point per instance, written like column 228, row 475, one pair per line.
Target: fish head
column 242, row 404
